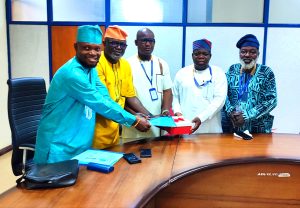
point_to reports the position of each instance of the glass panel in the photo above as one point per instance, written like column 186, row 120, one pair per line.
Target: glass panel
column 29, row 10
column 224, row 50
column 284, row 11
column 146, row 11
column 243, row 11
column 29, row 51
column 225, row 11
column 282, row 56
column 199, row 11
column 167, row 47
column 79, row 10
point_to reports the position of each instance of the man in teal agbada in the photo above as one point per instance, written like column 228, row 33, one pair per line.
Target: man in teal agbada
column 75, row 94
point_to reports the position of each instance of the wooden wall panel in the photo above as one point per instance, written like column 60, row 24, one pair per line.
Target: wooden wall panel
column 257, row 185
column 63, row 39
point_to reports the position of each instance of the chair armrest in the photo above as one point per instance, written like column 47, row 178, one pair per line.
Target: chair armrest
column 27, row 147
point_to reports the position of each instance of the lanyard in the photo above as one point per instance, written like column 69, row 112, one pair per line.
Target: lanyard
column 205, row 83
column 150, row 80
column 243, row 88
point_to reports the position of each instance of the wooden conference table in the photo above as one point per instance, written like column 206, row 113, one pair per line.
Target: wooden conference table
column 209, row 170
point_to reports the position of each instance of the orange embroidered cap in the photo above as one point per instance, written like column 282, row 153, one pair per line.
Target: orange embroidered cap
column 115, row 32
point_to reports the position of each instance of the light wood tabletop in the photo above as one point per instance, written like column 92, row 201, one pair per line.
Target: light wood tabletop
column 172, row 160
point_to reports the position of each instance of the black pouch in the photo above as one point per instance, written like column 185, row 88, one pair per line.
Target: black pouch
column 51, row 175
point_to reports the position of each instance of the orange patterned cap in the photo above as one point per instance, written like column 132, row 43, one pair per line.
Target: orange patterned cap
column 115, row 32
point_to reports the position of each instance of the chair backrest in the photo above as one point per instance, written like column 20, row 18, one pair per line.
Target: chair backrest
column 26, row 97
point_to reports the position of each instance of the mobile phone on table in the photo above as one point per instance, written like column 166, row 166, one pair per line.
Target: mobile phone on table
column 243, row 135
column 131, row 158
column 145, row 153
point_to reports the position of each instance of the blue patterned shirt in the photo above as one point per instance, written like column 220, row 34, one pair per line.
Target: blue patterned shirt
column 261, row 99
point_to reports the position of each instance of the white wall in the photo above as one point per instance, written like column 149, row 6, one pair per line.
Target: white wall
column 5, row 139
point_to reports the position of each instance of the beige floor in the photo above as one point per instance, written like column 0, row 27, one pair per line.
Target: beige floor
column 7, row 178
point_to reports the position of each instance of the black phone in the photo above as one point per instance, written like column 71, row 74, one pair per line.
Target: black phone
column 131, row 158
column 145, row 153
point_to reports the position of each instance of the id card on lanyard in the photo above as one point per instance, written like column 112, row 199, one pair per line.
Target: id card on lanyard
column 152, row 90
column 153, row 94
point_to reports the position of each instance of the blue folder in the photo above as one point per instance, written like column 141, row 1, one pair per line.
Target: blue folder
column 103, row 157
column 162, row 121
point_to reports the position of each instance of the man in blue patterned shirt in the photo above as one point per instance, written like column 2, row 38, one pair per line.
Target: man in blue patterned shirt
column 251, row 92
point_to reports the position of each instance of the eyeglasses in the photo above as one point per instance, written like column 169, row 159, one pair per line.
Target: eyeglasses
column 145, row 40
column 251, row 52
column 115, row 44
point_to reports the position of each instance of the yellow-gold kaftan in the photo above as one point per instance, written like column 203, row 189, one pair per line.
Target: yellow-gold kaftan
column 118, row 80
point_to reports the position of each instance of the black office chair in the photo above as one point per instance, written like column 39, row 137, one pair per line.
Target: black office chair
column 26, row 97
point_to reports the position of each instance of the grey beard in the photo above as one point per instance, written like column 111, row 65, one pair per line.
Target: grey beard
column 248, row 66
